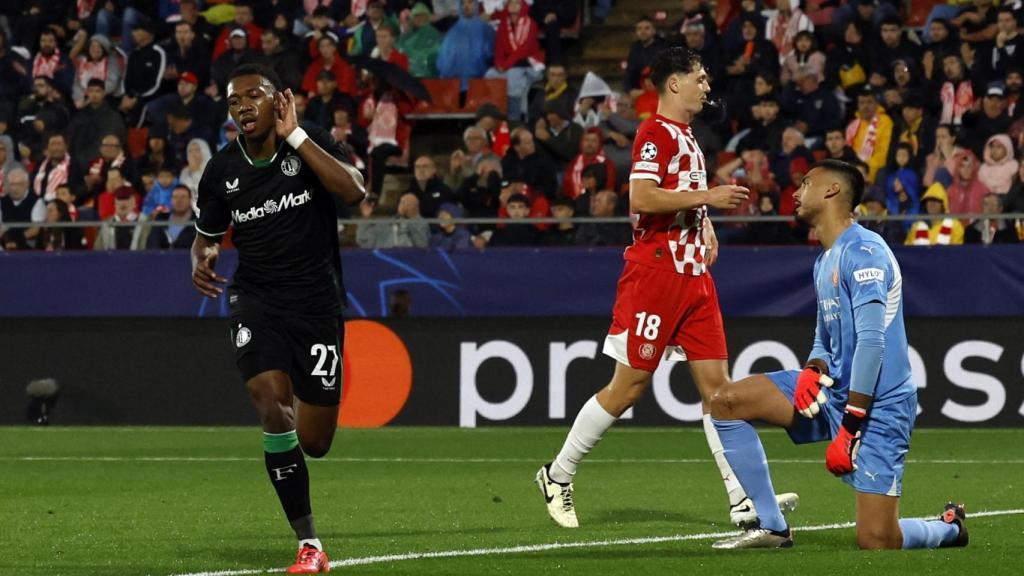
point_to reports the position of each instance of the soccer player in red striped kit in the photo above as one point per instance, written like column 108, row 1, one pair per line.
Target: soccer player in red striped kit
column 666, row 307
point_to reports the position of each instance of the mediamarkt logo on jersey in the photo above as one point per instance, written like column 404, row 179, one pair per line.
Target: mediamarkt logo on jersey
column 271, row 207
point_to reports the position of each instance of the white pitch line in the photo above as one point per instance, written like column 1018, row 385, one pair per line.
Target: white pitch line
column 401, row 460
column 527, row 548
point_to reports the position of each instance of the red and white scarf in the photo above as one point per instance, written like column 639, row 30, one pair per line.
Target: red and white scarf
column 89, row 69
column 383, row 128
column 85, row 8
column 922, row 233
column 46, row 65
column 867, row 144
column 58, row 176
column 518, row 31
column 955, row 102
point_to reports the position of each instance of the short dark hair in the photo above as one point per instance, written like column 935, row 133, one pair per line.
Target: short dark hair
column 674, row 60
column 644, row 18
column 520, row 198
column 892, row 20
column 96, row 82
column 852, row 178
column 253, row 69
column 563, row 201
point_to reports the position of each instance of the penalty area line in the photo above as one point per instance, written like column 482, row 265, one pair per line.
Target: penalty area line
column 528, row 548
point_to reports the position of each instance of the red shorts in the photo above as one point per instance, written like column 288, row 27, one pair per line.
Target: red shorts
column 663, row 314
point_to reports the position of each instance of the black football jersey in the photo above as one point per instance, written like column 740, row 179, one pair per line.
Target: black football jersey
column 285, row 228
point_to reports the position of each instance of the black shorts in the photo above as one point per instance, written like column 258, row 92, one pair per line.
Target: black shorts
column 308, row 349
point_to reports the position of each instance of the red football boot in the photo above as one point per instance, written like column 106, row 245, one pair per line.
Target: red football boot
column 310, row 561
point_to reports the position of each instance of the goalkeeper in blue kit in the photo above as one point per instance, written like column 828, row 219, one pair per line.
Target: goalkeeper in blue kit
column 855, row 391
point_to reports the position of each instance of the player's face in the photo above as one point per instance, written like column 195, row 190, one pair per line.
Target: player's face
column 690, row 90
column 814, row 191
column 251, row 105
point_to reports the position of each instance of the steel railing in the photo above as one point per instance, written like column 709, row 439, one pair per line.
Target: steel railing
column 545, row 220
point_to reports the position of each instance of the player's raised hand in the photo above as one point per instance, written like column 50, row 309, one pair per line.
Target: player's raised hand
column 728, row 196
column 809, row 396
column 285, row 117
column 205, row 278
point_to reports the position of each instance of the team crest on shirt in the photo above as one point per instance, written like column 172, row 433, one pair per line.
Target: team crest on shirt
column 242, row 337
column 835, row 277
column 647, row 351
column 649, row 151
column 291, row 165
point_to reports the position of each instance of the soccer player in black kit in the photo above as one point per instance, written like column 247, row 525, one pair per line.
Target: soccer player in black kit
column 276, row 185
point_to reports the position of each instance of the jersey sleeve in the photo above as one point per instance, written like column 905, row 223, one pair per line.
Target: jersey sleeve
column 867, row 273
column 214, row 215
column 324, row 140
column 653, row 150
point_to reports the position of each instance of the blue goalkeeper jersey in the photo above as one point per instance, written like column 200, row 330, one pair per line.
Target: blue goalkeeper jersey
column 859, row 269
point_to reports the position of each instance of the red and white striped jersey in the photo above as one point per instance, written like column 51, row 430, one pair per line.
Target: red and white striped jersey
column 667, row 152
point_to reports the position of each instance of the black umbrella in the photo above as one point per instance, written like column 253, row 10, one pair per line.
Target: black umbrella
column 393, row 75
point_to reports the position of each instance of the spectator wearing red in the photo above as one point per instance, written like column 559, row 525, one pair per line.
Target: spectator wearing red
column 385, row 49
column 105, row 200
column 97, row 62
column 384, row 110
column 956, row 95
column 785, row 24
column 517, row 56
column 57, row 168
column 646, row 104
column 490, row 119
column 112, row 156
column 966, row 190
column 243, row 19
column 591, row 152
column 52, row 63
column 330, row 60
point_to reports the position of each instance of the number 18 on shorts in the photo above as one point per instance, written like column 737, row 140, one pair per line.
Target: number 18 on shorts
column 663, row 314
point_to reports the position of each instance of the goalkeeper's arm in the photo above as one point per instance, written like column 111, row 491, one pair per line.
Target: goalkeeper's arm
column 869, row 321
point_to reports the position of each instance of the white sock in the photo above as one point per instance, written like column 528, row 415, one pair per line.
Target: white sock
column 586, row 432
column 314, row 542
column 732, row 484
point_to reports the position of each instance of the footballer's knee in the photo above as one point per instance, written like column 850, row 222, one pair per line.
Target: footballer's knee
column 273, row 404
column 724, row 403
column 317, row 447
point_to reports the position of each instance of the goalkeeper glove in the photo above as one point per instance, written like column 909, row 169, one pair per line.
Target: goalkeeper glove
column 809, row 397
column 841, row 455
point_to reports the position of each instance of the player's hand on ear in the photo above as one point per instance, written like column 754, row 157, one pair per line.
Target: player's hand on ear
column 286, row 118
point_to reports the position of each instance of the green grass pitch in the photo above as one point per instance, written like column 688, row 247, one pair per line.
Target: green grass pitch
column 126, row 501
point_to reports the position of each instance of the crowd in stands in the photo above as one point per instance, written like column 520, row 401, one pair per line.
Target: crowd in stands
column 930, row 114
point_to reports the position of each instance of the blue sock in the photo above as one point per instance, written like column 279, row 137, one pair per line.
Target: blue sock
column 927, row 533
column 745, row 454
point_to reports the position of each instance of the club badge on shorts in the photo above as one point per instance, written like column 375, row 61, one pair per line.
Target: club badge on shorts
column 243, row 336
column 647, row 351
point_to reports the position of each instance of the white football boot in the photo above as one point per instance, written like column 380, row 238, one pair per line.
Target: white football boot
column 558, row 498
column 745, row 516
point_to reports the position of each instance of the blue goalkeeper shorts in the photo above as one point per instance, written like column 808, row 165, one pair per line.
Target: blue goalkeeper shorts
column 884, row 443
